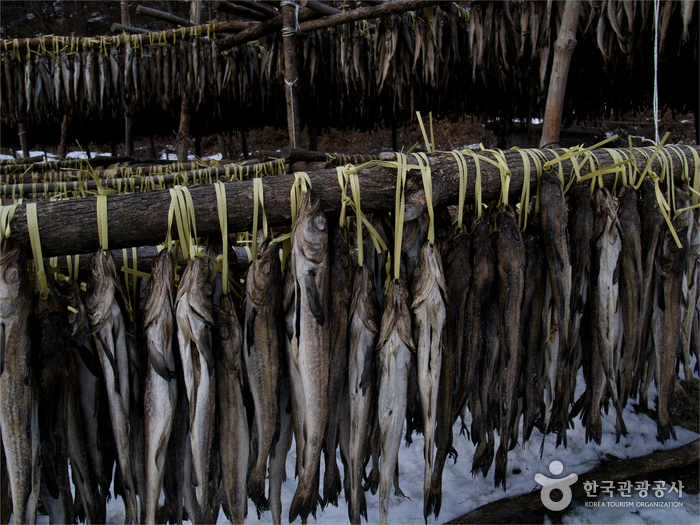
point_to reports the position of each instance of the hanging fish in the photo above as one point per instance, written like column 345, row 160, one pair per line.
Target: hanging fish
column 161, row 386
column 510, row 251
column 631, row 283
column 395, row 346
column 429, row 315
column 457, row 271
column 105, row 302
column 261, row 357
column 363, row 331
column 193, row 313
column 671, row 265
column 309, row 359
column 19, row 418
column 607, row 317
column 66, row 76
column 232, row 419
column 340, row 275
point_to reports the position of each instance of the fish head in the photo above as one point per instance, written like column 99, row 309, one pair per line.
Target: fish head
column 311, row 229
column 265, row 274
column 14, row 284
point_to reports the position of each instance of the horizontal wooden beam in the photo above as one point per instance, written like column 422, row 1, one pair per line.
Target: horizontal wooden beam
column 162, row 15
column 140, row 219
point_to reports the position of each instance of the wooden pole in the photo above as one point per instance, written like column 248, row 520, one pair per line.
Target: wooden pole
column 63, row 144
column 23, row 139
column 563, row 51
column 291, row 76
column 140, row 219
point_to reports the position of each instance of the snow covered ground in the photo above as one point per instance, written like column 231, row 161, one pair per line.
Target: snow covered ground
column 462, row 492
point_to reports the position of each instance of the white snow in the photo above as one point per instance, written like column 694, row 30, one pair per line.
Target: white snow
column 462, row 492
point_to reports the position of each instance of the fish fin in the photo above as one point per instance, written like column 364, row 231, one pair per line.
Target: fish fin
column 205, row 349
column 157, row 361
column 397, row 489
column 112, row 362
column 366, row 378
column 2, row 348
column 250, row 329
column 314, row 299
column 89, row 359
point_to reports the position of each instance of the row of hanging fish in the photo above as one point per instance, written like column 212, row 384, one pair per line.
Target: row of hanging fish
column 201, row 396
column 448, row 59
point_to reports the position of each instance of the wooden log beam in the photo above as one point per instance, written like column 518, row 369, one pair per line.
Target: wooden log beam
column 162, row 15
column 169, row 36
column 260, row 30
column 140, row 219
column 304, row 155
column 116, row 27
column 243, row 12
column 507, row 510
column 563, row 51
column 320, row 8
column 259, row 7
column 365, row 13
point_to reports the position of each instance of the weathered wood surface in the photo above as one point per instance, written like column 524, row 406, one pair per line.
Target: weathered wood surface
column 291, row 77
column 507, row 509
column 563, row 51
column 116, row 27
column 162, row 15
column 304, row 155
column 70, row 226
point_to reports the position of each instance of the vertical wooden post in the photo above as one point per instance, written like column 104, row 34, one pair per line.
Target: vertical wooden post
column 291, row 78
column 563, row 51
column 23, row 139
column 244, row 144
column 128, row 138
column 222, row 146
column 185, row 108
column 63, row 144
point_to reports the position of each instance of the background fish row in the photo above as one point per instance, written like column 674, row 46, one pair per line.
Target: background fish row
column 200, row 397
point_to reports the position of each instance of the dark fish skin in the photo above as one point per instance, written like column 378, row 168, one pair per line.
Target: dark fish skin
column 581, row 233
column 671, row 265
column 51, row 347
column 631, row 282
column 232, row 418
column 341, row 279
column 261, row 355
column 310, row 267
column 554, row 219
column 278, row 454
column 19, row 423
column 5, row 495
column 481, row 293
column 652, row 223
column 457, row 271
column 160, row 398
column 105, row 306
column 364, row 329
column 533, row 305
column 510, row 251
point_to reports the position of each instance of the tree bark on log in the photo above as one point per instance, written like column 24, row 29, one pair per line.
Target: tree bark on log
column 140, row 219
column 507, row 510
column 563, row 51
column 305, row 155
column 259, row 30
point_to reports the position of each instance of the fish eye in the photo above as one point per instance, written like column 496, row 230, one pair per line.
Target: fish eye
column 266, row 267
column 12, row 275
column 320, row 222
column 224, row 332
column 208, row 289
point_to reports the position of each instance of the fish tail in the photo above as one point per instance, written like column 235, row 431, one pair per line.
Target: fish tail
column 306, row 498
column 499, row 477
column 357, row 505
column 256, row 491
column 331, row 481
column 433, row 501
